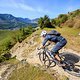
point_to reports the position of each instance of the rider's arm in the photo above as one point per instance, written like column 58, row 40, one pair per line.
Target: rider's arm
column 44, row 42
column 42, row 47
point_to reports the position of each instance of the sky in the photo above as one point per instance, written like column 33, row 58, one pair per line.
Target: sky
column 38, row 8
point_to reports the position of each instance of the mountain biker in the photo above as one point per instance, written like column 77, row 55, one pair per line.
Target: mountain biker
column 58, row 39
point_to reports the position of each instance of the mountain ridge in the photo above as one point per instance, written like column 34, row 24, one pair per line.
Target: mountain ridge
column 8, row 21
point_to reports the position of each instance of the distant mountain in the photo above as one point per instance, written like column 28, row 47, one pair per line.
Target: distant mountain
column 34, row 20
column 8, row 21
column 26, row 20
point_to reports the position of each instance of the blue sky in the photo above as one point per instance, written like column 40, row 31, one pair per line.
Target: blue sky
column 38, row 8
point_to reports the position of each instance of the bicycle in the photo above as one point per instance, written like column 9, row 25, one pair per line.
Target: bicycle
column 48, row 60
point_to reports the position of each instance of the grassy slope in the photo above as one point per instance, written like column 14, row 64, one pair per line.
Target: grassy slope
column 72, row 37
column 6, row 36
column 32, row 73
column 70, row 34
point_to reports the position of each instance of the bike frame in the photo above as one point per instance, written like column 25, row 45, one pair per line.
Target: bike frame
column 51, row 60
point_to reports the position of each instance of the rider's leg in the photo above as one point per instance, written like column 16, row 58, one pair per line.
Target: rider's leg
column 60, row 61
column 57, row 57
column 55, row 50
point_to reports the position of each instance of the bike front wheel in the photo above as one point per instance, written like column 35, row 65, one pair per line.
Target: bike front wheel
column 44, row 59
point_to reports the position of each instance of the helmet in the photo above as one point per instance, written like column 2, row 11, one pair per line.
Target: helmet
column 43, row 33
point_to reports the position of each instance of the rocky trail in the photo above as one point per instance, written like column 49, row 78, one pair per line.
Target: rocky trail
column 27, row 51
column 33, row 58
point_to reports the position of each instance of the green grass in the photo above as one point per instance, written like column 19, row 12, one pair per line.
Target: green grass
column 8, row 37
column 72, row 37
column 5, row 37
column 31, row 73
column 12, row 61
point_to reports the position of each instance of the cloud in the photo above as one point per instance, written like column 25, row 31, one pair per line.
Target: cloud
column 22, row 6
column 25, row 7
column 41, row 10
column 30, row 8
column 10, row 4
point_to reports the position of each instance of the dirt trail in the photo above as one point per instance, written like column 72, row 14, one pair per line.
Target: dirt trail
column 33, row 59
column 27, row 50
column 20, row 50
column 3, row 68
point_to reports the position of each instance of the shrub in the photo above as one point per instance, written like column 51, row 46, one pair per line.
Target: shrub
column 7, row 56
column 70, row 23
column 2, row 59
column 77, row 24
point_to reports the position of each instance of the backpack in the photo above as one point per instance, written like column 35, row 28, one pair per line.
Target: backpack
column 54, row 32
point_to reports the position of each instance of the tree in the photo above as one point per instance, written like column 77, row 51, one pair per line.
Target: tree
column 44, row 22
column 58, row 22
column 41, row 22
column 53, row 22
column 61, row 19
column 47, row 22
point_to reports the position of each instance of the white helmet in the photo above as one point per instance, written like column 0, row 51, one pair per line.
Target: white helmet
column 43, row 33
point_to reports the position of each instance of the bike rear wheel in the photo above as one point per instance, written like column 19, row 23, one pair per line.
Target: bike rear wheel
column 75, row 69
column 75, row 72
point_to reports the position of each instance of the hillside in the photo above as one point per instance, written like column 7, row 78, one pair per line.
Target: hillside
column 8, row 21
column 28, row 65
column 74, row 19
column 71, row 19
column 8, row 38
column 27, row 50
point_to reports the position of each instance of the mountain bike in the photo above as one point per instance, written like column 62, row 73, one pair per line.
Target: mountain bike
column 48, row 60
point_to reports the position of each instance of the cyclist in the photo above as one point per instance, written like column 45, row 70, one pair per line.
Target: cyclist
column 58, row 39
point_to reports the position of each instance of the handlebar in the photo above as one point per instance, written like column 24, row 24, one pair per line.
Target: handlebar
column 45, row 48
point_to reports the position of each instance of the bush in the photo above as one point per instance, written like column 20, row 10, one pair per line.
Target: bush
column 7, row 56
column 77, row 24
column 53, row 22
column 58, row 22
column 70, row 23
column 24, row 32
column 75, row 13
column 2, row 59
column 62, row 18
column 9, row 38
